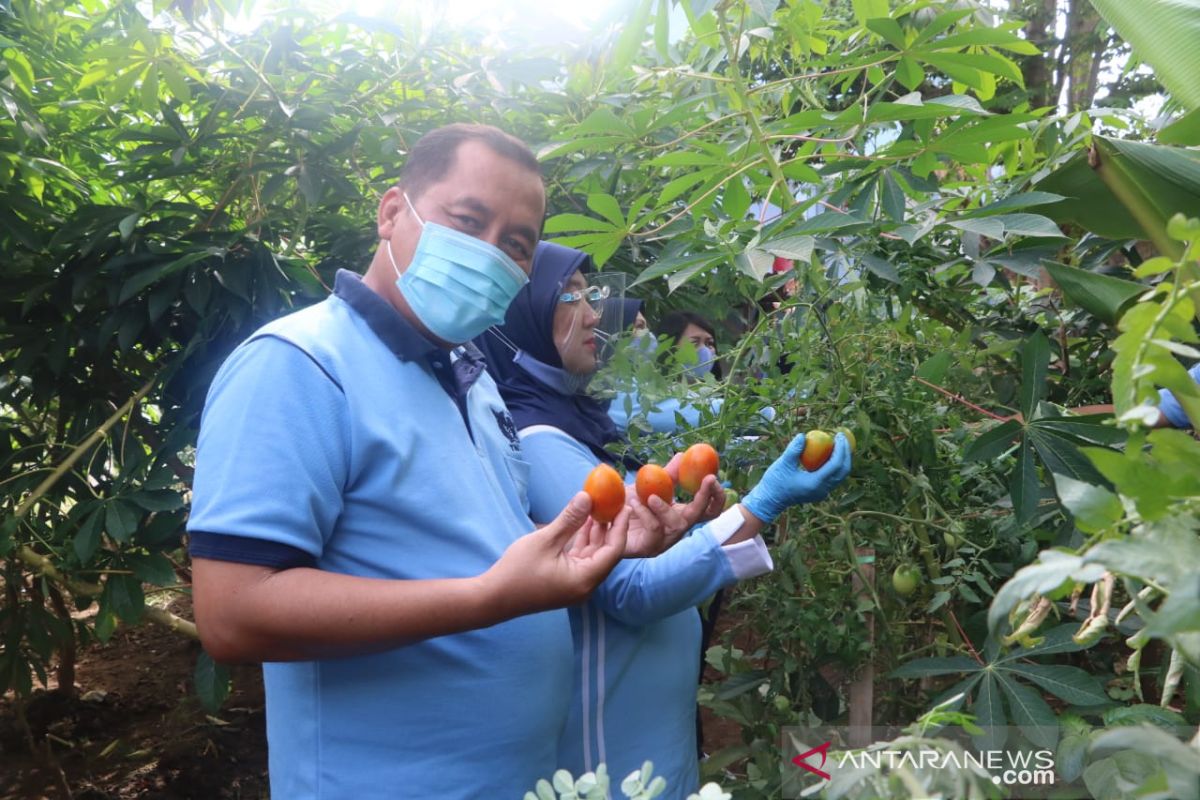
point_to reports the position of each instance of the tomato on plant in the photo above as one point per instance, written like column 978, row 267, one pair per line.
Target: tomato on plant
column 818, row 446
column 905, row 579
column 653, row 480
column 698, row 461
column 607, row 490
column 849, row 434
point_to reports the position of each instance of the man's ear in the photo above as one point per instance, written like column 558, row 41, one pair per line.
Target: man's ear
column 391, row 206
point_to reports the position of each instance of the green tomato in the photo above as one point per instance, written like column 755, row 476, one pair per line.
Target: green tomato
column 782, row 703
column 906, row 579
column 731, row 498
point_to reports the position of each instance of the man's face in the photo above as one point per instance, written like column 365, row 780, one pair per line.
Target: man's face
column 484, row 195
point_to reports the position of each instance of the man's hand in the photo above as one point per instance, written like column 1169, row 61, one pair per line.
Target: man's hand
column 786, row 483
column 561, row 563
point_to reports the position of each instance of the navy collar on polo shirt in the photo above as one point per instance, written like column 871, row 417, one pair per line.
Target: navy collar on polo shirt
column 402, row 337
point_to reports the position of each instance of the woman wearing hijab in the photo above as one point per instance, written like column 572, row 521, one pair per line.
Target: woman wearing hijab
column 637, row 638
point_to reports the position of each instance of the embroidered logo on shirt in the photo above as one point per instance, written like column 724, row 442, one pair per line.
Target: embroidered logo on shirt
column 504, row 422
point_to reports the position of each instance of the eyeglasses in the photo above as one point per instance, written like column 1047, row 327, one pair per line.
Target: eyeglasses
column 593, row 294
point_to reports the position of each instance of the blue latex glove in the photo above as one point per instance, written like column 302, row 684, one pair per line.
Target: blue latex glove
column 787, row 483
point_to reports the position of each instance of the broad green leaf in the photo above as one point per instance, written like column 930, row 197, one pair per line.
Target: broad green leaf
column 990, row 37
column 1029, row 225
column 152, row 568
column 1066, row 683
column 1180, row 612
column 124, row 596
column 1120, row 775
column 1035, row 359
column 933, row 369
column 120, row 520
column 1103, row 296
column 1094, row 507
column 869, row 9
column 1062, row 455
column 884, row 269
column 1030, row 712
column 87, row 540
column 797, row 248
column 632, row 36
column 1022, row 200
column 889, row 30
column 988, row 708
column 1024, row 484
column 212, row 682
column 607, row 206
column 993, row 443
column 891, row 197
column 20, row 70
column 909, row 73
column 561, row 223
column 929, row 667
column 1182, row 131
column 1164, row 34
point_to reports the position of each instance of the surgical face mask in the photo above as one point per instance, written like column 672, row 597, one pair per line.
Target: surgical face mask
column 704, row 362
column 644, row 343
column 556, row 378
column 457, row 285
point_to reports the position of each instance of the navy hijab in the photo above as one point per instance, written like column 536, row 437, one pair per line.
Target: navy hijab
column 529, row 324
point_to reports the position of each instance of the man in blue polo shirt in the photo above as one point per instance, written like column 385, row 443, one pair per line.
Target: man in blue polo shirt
column 359, row 519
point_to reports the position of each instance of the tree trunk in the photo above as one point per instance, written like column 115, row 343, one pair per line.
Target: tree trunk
column 1086, row 47
column 1038, row 70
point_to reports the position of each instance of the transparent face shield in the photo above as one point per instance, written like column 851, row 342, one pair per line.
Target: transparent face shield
column 589, row 320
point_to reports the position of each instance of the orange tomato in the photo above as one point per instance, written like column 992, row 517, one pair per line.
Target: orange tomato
column 818, row 446
column 654, row 480
column 607, row 490
column 698, row 460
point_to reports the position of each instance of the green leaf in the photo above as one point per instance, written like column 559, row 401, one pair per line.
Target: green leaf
column 1094, row 507
column 632, row 35
column 561, row 223
column 1022, row 200
column 87, row 539
column 20, row 70
column 123, row 594
column 909, row 73
column 1035, row 719
column 607, row 206
column 1164, row 34
column 127, row 223
column 929, row 667
column 891, row 197
column 1060, row 639
column 1024, row 484
column 212, row 682
column 152, row 568
column 120, row 520
column 1103, row 296
column 989, row 714
column 1180, row 612
column 1119, row 776
column 1066, row 683
column 889, row 30
column 1182, row 131
column 993, row 443
column 933, row 369
column 883, row 269
column 869, row 9
column 1035, row 359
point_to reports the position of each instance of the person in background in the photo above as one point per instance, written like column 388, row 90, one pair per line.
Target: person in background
column 637, row 639
column 359, row 519
column 1170, row 412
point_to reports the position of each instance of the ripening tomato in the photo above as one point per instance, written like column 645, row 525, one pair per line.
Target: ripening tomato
column 905, row 579
column 849, row 438
column 654, row 480
column 698, row 460
column 818, row 446
column 731, row 498
column 607, row 490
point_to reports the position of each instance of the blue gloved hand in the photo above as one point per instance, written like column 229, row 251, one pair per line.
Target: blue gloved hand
column 787, row 483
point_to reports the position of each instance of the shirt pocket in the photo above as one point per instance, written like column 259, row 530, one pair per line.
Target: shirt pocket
column 518, row 469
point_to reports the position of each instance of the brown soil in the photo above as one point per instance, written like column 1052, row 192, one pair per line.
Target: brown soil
column 135, row 729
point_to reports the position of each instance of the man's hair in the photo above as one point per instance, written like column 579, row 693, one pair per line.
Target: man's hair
column 434, row 154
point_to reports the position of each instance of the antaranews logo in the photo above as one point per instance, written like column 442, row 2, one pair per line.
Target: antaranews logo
column 944, row 765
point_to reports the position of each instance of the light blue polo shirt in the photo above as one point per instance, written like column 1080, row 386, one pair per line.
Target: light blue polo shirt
column 341, row 438
column 1171, row 408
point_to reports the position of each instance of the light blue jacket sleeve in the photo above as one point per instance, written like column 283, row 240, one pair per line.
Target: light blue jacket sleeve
column 638, row 591
column 1171, row 408
column 662, row 417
